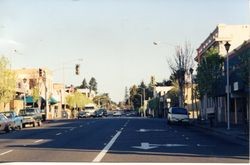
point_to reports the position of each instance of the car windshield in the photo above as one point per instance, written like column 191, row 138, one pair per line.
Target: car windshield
column 27, row 112
column 89, row 108
column 179, row 111
column 8, row 115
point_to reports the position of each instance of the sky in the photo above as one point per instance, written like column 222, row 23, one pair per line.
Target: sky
column 112, row 40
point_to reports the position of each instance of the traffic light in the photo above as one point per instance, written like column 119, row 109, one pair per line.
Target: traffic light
column 40, row 72
column 77, row 69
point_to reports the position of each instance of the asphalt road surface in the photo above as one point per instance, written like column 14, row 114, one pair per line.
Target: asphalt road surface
column 120, row 139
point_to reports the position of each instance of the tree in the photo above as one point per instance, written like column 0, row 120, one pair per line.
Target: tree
column 135, row 97
column 93, row 84
column 183, row 60
column 77, row 100
column 102, row 100
column 35, row 94
column 244, row 69
column 173, row 93
column 208, row 73
column 84, row 84
column 7, row 82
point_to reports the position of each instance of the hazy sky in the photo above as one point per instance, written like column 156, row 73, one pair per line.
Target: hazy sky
column 113, row 37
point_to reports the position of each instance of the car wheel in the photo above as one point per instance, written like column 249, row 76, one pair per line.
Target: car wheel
column 23, row 125
column 39, row 124
column 20, row 127
column 34, row 124
column 7, row 128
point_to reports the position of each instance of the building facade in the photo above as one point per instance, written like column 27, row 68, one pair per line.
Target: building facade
column 236, row 35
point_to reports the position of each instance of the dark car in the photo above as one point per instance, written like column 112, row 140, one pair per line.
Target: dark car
column 31, row 116
column 104, row 112
column 98, row 113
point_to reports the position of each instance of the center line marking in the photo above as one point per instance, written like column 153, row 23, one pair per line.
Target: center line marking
column 106, row 148
column 38, row 141
column 5, row 152
column 58, row 133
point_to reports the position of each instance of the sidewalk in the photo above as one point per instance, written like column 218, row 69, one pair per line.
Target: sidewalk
column 236, row 134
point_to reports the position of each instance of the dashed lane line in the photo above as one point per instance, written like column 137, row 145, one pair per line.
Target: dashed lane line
column 38, row 141
column 5, row 152
column 106, row 148
column 58, row 134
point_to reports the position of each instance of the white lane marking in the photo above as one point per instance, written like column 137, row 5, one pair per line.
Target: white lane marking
column 71, row 129
column 106, row 148
column 80, row 125
column 5, row 152
column 38, row 141
column 187, row 138
column 58, row 133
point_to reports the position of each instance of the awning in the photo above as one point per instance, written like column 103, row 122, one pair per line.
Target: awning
column 29, row 99
column 52, row 100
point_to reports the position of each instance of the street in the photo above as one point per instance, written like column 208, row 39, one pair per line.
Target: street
column 120, row 139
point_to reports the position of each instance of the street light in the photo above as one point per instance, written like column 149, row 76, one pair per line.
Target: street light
column 24, row 89
column 227, row 47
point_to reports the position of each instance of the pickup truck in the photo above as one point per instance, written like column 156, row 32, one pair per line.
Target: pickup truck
column 31, row 116
column 16, row 121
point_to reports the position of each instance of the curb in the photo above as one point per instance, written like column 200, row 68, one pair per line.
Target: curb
column 222, row 135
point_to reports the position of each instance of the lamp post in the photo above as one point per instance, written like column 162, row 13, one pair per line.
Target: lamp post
column 227, row 47
column 191, row 70
column 24, row 89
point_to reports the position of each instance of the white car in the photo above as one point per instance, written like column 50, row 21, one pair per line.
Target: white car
column 117, row 113
column 5, row 124
column 178, row 115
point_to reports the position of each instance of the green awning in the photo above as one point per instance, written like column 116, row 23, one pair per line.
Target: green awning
column 28, row 99
column 52, row 100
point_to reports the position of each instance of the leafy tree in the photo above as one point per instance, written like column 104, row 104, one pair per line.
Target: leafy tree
column 93, row 84
column 77, row 100
column 7, row 82
column 244, row 69
column 208, row 73
column 84, row 84
column 173, row 93
column 135, row 97
column 35, row 94
column 103, row 100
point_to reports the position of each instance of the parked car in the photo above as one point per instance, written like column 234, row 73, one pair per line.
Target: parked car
column 82, row 114
column 65, row 115
column 178, row 114
column 117, row 113
column 98, row 113
column 5, row 123
column 16, row 121
column 31, row 116
column 105, row 112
